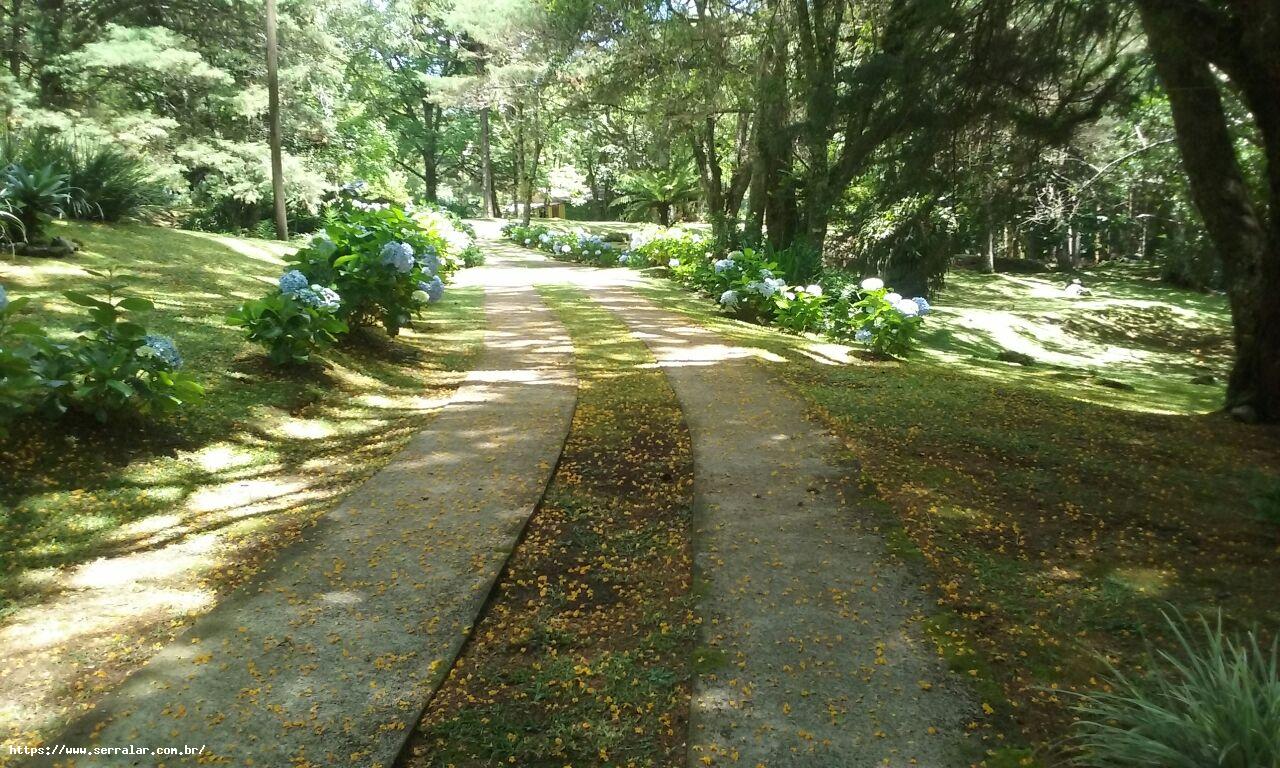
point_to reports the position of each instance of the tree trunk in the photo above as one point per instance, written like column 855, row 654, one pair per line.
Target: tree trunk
column 1249, row 247
column 772, row 201
column 273, row 109
column 431, row 153
column 489, row 200
column 15, row 40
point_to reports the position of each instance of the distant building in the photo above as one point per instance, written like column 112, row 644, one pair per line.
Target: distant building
column 543, row 207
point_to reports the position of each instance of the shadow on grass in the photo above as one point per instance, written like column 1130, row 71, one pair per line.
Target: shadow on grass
column 70, row 488
column 1056, row 527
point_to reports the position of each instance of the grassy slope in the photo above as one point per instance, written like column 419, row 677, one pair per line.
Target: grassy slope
column 1055, row 527
column 1135, row 343
column 584, row 654
column 245, row 471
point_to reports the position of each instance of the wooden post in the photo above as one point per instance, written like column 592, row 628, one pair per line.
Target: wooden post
column 273, row 110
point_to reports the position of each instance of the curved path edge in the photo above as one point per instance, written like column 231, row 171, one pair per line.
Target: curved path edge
column 330, row 655
column 812, row 653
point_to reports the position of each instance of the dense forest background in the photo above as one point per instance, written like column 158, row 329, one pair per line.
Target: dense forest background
column 900, row 137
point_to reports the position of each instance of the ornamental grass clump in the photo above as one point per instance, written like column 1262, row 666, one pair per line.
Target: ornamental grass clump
column 1213, row 701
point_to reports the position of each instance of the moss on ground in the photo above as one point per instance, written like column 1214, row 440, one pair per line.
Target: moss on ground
column 585, row 653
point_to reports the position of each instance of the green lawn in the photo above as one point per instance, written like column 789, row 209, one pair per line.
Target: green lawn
column 1135, row 343
column 1054, row 520
column 171, row 514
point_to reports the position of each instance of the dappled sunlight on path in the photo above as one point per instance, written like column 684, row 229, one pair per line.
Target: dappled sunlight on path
column 814, row 651
column 330, row 655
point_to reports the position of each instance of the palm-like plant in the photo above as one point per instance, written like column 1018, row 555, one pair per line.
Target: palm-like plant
column 35, row 197
column 658, row 191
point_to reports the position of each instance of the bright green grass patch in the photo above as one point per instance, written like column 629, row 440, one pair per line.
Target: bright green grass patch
column 70, row 493
column 1134, row 343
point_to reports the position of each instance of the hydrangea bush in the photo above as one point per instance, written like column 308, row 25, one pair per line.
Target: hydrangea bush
column 373, row 264
column 578, row 246
column 873, row 314
column 376, row 257
column 294, row 323
column 749, row 285
column 114, row 367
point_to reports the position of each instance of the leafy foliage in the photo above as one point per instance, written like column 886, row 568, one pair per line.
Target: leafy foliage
column 291, row 328
column 106, row 182
column 377, row 258
column 35, row 197
column 113, row 369
column 1214, row 702
column 657, row 193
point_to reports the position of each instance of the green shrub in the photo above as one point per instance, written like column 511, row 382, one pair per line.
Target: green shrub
column 578, row 246
column 799, row 264
column 118, row 368
column 381, row 261
column 801, row 309
column 113, row 369
column 292, row 326
column 21, row 386
column 35, row 197
column 107, row 183
column 876, row 316
column 1214, row 702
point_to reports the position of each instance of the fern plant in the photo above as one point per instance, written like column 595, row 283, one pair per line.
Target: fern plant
column 658, row 192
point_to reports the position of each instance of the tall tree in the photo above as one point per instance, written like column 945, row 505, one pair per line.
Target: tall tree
column 1200, row 48
column 273, row 112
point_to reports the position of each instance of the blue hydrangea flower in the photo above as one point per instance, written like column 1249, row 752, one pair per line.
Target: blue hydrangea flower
column 162, row 348
column 293, row 281
column 767, row 287
column 724, row 265
column 924, row 305
column 433, row 289
column 863, row 335
column 4, row 298
column 544, row 237
column 766, row 273
column 729, row 299
column 624, row 258
column 430, row 261
column 398, row 256
column 319, row 297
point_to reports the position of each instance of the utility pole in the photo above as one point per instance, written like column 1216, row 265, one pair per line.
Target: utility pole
column 273, row 112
